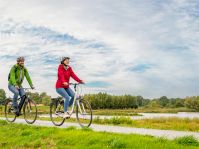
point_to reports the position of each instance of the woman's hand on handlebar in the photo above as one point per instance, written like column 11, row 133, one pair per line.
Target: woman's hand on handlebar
column 65, row 84
column 82, row 82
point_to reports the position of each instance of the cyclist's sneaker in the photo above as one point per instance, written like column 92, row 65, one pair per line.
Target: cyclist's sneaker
column 56, row 113
column 18, row 113
column 66, row 115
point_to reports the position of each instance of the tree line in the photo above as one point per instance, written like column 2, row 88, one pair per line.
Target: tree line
column 39, row 98
column 107, row 101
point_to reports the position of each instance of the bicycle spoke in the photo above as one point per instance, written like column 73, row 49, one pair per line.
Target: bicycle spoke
column 9, row 114
column 56, row 113
column 30, row 111
column 84, row 113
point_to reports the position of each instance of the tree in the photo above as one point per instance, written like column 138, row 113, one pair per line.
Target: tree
column 140, row 101
column 163, row 101
column 192, row 102
column 153, row 104
column 45, row 99
column 179, row 102
column 34, row 96
column 2, row 96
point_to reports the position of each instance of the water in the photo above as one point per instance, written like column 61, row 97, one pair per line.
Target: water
column 190, row 115
column 164, row 115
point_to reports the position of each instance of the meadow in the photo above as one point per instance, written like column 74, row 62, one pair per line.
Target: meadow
column 26, row 136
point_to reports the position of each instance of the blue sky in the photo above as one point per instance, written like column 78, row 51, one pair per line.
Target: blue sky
column 147, row 47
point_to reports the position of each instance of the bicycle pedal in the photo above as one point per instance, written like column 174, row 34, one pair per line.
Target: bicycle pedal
column 18, row 114
column 66, row 117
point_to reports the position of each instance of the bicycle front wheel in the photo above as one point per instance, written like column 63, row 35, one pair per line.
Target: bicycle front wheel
column 56, row 113
column 9, row 114
column 30, row 111
column 84, row 113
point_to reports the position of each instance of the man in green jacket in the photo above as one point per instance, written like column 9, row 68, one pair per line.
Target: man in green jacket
column 16, row 77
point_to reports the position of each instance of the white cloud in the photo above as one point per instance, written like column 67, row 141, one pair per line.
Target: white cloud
column 112, row 37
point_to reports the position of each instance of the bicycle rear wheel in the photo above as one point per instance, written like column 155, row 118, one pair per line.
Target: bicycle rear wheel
column 56, row 113
column 9, row 114
column 30, row 111
column 83, row 113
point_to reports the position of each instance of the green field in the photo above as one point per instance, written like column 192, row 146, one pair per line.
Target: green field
column 181, row 124
column 132, row 112
column 26, row 136
column 156, row 123
column 120, row 112
column 126, row 112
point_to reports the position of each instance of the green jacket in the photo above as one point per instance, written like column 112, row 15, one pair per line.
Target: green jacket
column 15, row 76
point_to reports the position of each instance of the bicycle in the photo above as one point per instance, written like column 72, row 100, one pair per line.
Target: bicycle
column 29, row 109
column 83, row 110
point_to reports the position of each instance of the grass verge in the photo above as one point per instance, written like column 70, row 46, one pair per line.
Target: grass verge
column 26, row 136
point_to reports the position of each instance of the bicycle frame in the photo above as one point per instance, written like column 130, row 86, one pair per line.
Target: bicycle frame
column 79, row 106
column 24, row 98
column 76, row 99
column 29, row 109
column 21, row 103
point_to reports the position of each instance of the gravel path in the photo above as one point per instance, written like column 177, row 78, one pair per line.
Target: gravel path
column 170, row 134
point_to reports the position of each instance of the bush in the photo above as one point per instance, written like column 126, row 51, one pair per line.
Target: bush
column 105, row 101
column 192, row 102
column 187, row 140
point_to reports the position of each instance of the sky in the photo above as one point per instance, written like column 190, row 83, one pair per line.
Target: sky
column 148, row 48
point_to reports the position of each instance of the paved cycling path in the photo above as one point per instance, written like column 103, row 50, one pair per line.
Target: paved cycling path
column 170, row 134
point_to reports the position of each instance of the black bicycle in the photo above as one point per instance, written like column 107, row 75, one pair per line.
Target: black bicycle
column 29, row 109
column 83, row 110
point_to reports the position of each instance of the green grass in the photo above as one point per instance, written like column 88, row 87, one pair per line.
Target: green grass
column 156, row 123
column 132, row 112
column 40, row 109
column 27, row 136
column 125, row 112
column 187, row 140
column 120, row 112
column 1, row 110
column 43, row 109
column 116, row 112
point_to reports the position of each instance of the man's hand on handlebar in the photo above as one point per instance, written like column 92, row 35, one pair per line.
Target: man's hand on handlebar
column 32, row 87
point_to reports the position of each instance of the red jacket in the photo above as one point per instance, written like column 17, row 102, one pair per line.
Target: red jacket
column 64, row 76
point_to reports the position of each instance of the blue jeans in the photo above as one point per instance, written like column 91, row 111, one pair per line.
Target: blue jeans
column 16, row 93
column 68, row 95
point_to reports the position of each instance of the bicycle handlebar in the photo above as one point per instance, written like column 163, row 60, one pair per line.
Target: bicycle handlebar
column 27, row 88
column 75, row 83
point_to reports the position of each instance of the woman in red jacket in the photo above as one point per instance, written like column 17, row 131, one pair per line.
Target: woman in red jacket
column 62, row 84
